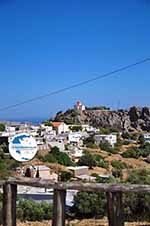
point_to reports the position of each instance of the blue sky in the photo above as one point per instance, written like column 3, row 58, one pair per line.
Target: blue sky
column 46, row 45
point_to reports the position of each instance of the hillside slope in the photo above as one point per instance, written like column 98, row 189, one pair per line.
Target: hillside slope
column 135, row 118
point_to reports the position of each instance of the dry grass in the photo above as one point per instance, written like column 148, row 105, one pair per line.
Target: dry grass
column 82, row 223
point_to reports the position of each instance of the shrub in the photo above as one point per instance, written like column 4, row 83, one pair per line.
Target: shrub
column 143, row 151
column 131, row 153
column 105, row 146
column 125, row 135
column 90, row 142
column 2, row 127
column 117, row 173
column 133, row 202
column 48, row 123
column 93, row 205
column 91, row 145
column 141, row 176
column 87, row 160
column 59, row 157
column 76, row 128
column 65, row 176
column 118, row 165
column 141, row 139
column 28, row 210
column 108, row 130
column 100, row 162
column 89, row 204
column 126, row 142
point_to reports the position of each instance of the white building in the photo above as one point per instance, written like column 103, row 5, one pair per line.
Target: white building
column 79, row 170
column 60, row 127
column 10, row 129
column 45, row 173
column 147, row 137
column 58, row 144
column 75, row 153
column 75, row 138
column 47, row 129
column 111, row 139
column 89, row 128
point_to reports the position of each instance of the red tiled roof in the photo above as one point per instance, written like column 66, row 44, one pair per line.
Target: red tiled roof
column 56, row 124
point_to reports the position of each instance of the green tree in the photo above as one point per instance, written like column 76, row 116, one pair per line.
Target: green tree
column 89, row 204
column 87, row 160
column 141, row 139
column 48, row 123
column 100, row 162
column 126, row 135
column 28, row 210
column 89, row 142
column 105, row 146
column 59, row 157
column 134, row 203
column 118, row 165
column 65, row 176
column 76, row 128
column 2, row 127
column 132, row 153
column 141, row 176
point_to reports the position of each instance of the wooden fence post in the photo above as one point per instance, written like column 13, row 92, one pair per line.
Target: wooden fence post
column 9, row 204
column 59, row 204
column 115, row 209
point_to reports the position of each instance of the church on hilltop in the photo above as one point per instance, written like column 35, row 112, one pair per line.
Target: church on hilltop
column 79, row 106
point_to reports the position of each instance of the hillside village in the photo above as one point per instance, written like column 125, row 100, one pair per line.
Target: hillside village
column 89, row 150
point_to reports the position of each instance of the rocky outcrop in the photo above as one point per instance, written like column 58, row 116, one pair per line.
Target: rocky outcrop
column 129, row 120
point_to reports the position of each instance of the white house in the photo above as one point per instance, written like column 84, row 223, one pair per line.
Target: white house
column 60, row 127
column 111, row 139
column 45, row 173
column 47, row 129
column 75, row 138
column 59, row 144
column 147, row 137
column 75, row 153
column 89, row 128
column 10, row 129
column 78, row 170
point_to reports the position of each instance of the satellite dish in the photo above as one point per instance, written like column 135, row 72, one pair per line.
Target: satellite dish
column 23, row 147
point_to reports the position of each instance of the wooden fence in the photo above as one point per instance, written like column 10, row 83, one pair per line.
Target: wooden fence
column 113, row 193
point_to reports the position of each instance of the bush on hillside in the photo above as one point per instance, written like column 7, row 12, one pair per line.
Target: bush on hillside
column 75, row 128
column 28, row 210
column 118, row 165
column 142, row 151
column 90, row 142
column 87, row 160
column 105, row 146
column 100, row 162
column 55, row 156
column 108, row 130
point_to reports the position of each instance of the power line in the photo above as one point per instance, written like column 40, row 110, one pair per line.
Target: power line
column 76, row 85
